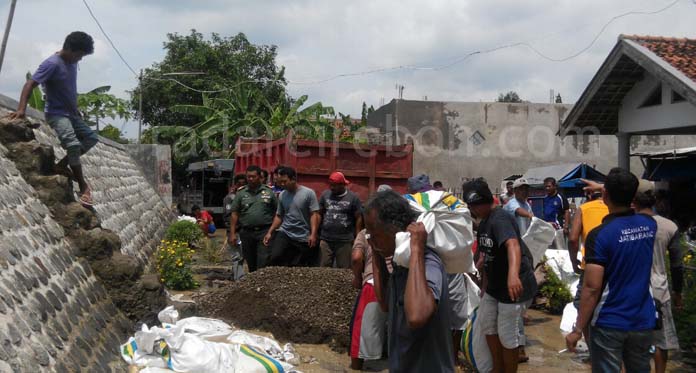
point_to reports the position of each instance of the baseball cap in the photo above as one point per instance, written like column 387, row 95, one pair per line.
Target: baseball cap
column 383, row 188
column 338, row 178
column 645, row 186
column 520, row 182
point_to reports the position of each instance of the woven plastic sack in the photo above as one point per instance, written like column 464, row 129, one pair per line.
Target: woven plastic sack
column 475, row 346
column 450, row 231
column 538, row 238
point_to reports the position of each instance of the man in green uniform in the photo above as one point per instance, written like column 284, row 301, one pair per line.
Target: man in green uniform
column 253, row 209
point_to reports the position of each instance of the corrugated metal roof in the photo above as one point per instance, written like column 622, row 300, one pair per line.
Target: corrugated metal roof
column 537, row 175
column 663, row 153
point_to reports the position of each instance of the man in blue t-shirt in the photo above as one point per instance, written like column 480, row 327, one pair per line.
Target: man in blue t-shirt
column 616, row 299
column 556, row 208
column 58, row 77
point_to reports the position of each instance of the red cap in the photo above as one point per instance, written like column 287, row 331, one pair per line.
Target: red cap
column 338, row 178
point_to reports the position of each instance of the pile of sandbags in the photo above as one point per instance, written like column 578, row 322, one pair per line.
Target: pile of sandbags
column 198, row 344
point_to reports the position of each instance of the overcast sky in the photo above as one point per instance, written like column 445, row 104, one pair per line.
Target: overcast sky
column 319, row 39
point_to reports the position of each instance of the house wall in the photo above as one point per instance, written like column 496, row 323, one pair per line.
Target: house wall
column 668, row 115
column 455, row 141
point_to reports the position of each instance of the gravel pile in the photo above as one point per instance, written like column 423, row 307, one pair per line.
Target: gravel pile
column 300, row 305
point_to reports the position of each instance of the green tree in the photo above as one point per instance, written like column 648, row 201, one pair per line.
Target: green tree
column 97, row 104
column 227, row 63
column 244, row 112
column 113, row 133
column 511, row 96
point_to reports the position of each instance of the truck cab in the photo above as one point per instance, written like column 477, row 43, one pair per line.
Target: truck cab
column 207, row 185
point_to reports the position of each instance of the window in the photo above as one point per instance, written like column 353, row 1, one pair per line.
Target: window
column 477, row 138
column 676, row 97
column 654, row 98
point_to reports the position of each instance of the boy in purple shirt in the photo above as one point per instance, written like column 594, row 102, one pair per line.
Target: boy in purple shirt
column 58, row 77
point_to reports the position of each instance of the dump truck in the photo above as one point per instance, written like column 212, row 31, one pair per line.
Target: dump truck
column 365, row 166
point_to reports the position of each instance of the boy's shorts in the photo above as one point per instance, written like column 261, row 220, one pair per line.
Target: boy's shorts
column 503, row 319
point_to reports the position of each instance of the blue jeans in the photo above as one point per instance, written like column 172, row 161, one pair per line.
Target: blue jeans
column 75, row 136
column 610, row 347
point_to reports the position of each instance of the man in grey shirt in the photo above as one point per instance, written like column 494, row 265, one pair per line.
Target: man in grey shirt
column 666, row 240
column 297, row 222
column 417, row 297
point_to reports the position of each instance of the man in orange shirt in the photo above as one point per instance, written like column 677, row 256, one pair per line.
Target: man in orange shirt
column 588, row 216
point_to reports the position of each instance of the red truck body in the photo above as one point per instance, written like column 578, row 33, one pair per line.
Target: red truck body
column 365, row 166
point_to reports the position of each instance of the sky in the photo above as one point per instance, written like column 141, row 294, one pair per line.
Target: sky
column 319, row 40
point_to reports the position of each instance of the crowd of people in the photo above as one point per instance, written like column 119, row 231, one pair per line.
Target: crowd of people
column 615, row 240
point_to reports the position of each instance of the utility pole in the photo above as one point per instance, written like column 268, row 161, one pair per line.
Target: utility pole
column 140, row 105
column 7, row 32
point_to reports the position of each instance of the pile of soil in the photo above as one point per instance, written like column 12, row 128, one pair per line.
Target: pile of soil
column 299, row 305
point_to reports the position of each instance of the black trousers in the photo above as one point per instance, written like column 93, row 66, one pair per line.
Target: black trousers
column 287, row 252
column 255, row 253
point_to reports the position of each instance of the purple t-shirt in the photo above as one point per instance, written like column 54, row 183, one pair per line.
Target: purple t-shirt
column 59, row 81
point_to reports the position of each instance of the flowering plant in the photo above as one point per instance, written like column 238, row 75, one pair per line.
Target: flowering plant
column 173, row 260
column 184, row 231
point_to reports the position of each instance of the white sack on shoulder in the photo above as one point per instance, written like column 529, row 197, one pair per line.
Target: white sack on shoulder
column 450, row 235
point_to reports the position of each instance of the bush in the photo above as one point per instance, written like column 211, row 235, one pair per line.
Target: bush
column 555, row 291
column 184, row 231
column 174, row 265
column 686, row 319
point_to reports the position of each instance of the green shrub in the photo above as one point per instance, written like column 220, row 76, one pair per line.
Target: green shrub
column 555, row 291
column 184, row 231
column 173, row 260
column 686, row 319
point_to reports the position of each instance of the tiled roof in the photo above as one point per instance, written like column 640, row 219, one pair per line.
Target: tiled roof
column 678, row 52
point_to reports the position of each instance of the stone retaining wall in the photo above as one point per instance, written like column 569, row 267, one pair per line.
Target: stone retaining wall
column 54, row 314
column 66, row 303
column 124, row 200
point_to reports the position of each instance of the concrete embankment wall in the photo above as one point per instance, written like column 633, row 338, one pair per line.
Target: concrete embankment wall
column 71, row 280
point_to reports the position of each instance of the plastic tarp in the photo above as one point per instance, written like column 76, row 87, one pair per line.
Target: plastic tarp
column 450, row 234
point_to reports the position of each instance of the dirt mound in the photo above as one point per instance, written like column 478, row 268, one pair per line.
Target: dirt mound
column 300, row 305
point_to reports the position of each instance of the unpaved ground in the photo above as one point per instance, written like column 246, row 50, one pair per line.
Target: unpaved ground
column 301, row 305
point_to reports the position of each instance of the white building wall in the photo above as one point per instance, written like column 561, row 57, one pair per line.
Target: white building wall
column 668, row 115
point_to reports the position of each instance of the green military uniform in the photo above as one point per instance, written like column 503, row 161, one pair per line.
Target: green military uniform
column 256, row 209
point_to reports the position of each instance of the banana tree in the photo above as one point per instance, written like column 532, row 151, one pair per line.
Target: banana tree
column 244, row 112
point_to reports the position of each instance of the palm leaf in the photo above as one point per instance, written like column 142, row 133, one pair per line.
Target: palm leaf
column 102, row 89
column 36, row 100
column 198, row 110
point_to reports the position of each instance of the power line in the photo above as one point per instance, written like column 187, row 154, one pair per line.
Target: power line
column 227, row 88
column 108, row 38
column 491, row 50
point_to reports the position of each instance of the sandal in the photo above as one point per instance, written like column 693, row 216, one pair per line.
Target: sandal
column 86, row 199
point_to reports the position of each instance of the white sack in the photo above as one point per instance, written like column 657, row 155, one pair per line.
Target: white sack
column 450, row 235
column 267, row 345
column 209, row 329
column 475, row 346
column 538, row 238
column 168, row 315
column 570, row 314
